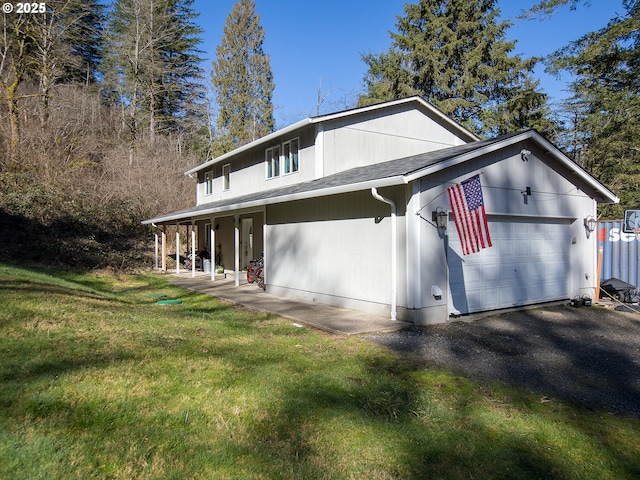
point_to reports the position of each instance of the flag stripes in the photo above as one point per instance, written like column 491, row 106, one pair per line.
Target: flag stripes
column 469, row 216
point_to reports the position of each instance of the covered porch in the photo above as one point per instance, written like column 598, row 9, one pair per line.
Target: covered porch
column 216, row 247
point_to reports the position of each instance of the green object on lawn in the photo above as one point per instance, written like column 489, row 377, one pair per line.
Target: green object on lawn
column 169, row 302
column 157, row 295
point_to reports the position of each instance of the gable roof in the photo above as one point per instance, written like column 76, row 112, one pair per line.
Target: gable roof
column 447, row 121
column 393, row 172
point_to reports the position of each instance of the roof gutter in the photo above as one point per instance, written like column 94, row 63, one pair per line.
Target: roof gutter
column 255, row 143
column 188, row 214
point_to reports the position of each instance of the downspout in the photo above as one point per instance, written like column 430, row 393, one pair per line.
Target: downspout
column 236, row 266
column 394, row 252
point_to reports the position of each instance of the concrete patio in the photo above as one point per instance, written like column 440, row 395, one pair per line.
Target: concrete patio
column 324, row 317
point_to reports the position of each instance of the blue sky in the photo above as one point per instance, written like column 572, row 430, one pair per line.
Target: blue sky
column 313, row 44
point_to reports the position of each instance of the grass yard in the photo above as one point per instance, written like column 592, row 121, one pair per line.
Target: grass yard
column 99, row 381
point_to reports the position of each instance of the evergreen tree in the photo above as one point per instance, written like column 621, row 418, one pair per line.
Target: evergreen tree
column 454, row 54
column 605, row 104
column 68, row 39
column 152, row 64
column 242, row 81
column 181, row 80
column 546, row 8
column 80, row 25
column 520, row 107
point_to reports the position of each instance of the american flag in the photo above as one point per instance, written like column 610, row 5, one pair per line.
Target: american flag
column 469, row 215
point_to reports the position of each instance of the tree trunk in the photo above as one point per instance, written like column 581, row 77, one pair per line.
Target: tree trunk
column 14, row 123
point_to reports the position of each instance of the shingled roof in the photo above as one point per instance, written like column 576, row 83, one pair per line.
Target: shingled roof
column 393, row 172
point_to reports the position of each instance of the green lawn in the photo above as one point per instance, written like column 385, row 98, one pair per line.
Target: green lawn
column 99, row 381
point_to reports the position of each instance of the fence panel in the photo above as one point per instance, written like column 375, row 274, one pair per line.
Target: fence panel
column 620, row 258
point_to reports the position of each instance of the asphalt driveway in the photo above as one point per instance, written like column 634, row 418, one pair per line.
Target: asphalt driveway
column 587, row 355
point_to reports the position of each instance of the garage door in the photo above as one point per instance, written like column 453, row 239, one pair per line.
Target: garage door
column 528, row 263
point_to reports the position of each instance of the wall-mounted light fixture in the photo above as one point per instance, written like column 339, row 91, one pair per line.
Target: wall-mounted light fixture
column 526, row 193
column 436, row 292
column 590, row 223
column 524, row 154
column 439, row 217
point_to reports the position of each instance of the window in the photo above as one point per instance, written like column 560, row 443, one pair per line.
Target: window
column 290, row 163
column 226, row 171
column 208, row 183
column 273, row 162
column 290, row 150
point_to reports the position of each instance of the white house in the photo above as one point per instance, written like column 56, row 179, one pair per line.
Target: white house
column 353, row 209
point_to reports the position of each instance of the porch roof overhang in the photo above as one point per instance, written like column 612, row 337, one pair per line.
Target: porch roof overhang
column 315, row 188
column 395, row 172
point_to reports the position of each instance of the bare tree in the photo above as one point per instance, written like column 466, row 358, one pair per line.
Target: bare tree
column 322, row 96
column 15, row 67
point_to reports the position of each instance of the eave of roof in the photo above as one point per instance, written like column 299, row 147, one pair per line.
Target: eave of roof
column 285, row 194
column 394, row 172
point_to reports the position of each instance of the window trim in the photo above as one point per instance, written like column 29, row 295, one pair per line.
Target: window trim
column 208, row 183
column 281, row 165
column 272, row 165
column 288, row 161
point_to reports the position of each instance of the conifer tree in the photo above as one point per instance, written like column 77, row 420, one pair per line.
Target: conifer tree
column 242, row 81
column 605, row 104
column 80, row 26
column 68, row 46
column 454, row 54
column 152, row 64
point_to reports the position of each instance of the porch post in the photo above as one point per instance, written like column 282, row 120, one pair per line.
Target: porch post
column 177, row 249
column 155, row 254
column 193, row 249
column 236, row 267
column 164, row 248
column 265, row 253
column 212, row 248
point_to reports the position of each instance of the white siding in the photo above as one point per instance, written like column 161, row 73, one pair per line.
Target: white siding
column 549, row 220
column 333, row 250
column 248, row 170
column 381, row 138
column 344, row 143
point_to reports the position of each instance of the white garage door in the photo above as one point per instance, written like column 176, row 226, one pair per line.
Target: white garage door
column 528, row 263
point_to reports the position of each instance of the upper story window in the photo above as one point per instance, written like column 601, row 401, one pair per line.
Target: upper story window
column 226, row 176
column 273, row 162
column 208, row 183
column 283, row 160
column 290, row 154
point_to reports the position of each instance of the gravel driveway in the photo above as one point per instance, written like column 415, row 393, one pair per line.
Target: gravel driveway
column 587, row 355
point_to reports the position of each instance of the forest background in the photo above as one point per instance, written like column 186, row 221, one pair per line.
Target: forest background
column 104, row 106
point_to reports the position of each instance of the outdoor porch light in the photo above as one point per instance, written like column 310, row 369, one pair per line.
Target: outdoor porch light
column 440, row 217
column 524, row 154
column 590, row 223
column 436, row 292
